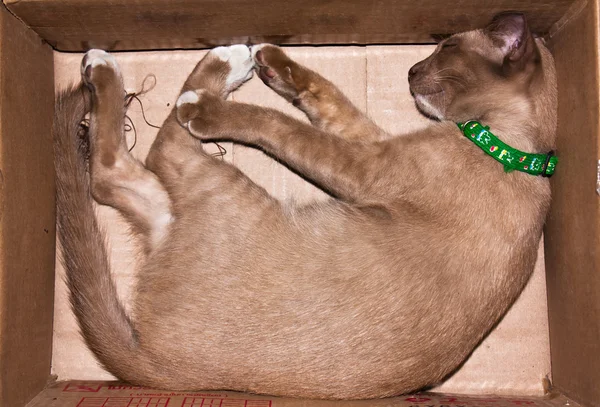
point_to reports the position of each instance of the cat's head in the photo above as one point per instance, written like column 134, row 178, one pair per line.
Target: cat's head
column 472, row 72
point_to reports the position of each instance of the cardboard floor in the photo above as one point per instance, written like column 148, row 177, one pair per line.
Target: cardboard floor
column 514, row 359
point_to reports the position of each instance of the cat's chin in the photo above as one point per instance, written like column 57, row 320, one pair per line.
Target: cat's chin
column 427, row 106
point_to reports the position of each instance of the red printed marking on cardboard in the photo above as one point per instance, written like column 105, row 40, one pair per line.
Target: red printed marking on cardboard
column 82, row 388
column 206, row 402
column 124, row 402
column 478, row 400
column 471, row 401
column 125, row 387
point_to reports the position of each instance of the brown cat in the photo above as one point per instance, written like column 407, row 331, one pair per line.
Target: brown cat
column 382, row 290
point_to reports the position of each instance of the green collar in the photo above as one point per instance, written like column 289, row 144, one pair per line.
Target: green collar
column 513, row 159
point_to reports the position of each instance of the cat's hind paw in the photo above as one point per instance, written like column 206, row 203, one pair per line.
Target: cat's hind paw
column 98, row 65
column 240, row 64
column 222, row 70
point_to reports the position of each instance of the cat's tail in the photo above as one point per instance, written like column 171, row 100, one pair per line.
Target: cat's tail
column 102, row 319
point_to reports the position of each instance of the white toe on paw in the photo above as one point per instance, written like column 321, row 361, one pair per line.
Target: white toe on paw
column 240, row 51
column 223, row 53
column 187, row 97
column 98, row 61
column 96, row 57
column 241, row 64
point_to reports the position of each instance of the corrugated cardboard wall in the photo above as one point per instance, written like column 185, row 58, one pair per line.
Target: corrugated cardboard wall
column 77, row 25
column 573, row 228
column 513, row 360
column 26, row 211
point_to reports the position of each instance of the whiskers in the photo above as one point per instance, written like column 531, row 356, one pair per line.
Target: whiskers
column 439, row 77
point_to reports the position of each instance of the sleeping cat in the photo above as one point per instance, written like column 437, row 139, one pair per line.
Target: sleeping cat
column 384, row 289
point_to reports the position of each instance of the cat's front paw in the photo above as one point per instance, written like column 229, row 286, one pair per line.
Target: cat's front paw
column 199, row 111
column 99, row 68
column 278, row 71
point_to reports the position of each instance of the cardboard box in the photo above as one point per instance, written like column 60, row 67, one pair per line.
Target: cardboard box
column 558, row 338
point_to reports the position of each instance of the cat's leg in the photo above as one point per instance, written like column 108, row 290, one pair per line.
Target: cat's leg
column 323, row 103
column 198, row 183
column 350, row 170
column 221, row 71
column 118, row 179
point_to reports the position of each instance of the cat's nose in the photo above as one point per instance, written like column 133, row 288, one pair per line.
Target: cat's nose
column 413, row 71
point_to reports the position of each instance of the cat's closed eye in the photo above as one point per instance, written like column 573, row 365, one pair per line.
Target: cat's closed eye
column 448, row 45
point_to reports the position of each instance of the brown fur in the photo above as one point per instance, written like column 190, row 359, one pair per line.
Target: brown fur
column 383, row 290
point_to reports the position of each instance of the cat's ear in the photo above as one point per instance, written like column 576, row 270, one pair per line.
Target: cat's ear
column 510, row 33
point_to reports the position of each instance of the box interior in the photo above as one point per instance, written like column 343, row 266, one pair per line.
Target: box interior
column 515, row 359
column 536, row 343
